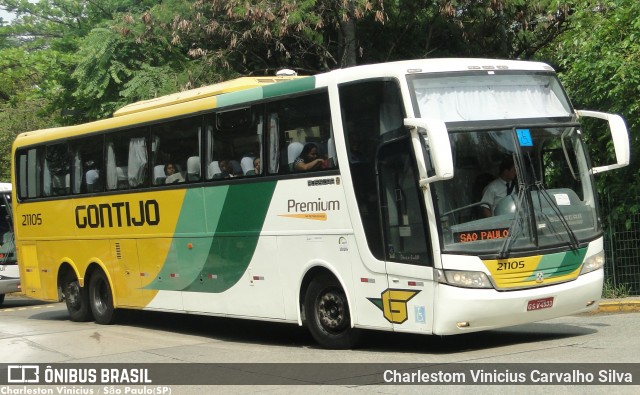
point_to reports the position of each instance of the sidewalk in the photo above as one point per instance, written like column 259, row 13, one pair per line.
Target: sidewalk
column 618, row 305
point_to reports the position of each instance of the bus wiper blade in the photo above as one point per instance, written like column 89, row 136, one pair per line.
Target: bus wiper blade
column 514, row 231
column 573, row 240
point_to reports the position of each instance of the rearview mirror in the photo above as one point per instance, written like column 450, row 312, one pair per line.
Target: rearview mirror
column 434, row 131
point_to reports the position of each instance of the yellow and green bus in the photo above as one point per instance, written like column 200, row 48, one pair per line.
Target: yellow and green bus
column 354, row 199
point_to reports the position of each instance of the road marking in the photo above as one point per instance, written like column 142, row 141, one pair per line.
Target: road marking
column 12, row 309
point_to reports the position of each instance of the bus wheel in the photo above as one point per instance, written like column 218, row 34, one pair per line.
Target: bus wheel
column 77, row 299
column 101, row 299
column 327, row 314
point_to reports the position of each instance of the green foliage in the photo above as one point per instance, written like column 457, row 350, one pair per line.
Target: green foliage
column 260, row 37
column 114, row 69
column 611, row 291
column 473, row 28
column 27, row 114
column 599, row 64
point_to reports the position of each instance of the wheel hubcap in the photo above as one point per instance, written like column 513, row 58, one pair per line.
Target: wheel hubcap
column 100, row 297
column 331, row 311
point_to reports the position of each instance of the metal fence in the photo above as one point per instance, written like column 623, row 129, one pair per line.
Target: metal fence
column 622, row 249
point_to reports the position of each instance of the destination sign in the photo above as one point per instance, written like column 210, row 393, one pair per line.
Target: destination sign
column 482, row 234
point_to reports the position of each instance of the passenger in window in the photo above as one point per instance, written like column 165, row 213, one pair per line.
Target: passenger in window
column 173, row 175
column 226, row 169
column 256, row 168
column 308, row 159
column 92, row 176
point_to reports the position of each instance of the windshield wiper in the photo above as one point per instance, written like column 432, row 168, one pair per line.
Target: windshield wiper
column 516, row 225
column 518, row 221
column 573, row 240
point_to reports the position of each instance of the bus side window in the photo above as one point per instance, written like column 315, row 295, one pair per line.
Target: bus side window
column 87, row 158
column 177, row 143
column 29, row 168
column 233, row 136
column 127, row 159
column 56, row 170
column 293, row 123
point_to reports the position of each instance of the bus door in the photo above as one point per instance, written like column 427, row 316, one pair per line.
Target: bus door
column 408, row 301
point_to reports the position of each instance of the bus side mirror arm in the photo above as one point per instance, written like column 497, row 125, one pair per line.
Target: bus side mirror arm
column 619, row 134
column 434, row 132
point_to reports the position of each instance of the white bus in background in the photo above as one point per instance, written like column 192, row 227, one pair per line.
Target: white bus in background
column 9, row 272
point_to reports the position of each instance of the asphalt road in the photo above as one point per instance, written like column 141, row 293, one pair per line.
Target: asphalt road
column 37, row 332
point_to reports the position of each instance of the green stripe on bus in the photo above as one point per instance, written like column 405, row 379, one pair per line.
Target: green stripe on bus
column 215, row 264
column 560, row 264
column 243, row 215
column 293, row 86
column 243, row 96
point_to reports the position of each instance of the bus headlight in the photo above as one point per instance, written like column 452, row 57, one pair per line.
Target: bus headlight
column 466, row 279
column 592, row 263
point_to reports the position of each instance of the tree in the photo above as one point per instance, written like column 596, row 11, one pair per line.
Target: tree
column 512, row 29
column 599, row 64
column 259, row 37
column 120, row 51
column 59, row 29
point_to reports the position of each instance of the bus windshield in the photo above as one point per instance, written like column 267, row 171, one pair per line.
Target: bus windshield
column 521, row 177
column 517, row 188
column 489, row 95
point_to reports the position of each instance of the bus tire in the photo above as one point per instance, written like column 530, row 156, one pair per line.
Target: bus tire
column 77, row 299
column 101, row 299
column 327, row 314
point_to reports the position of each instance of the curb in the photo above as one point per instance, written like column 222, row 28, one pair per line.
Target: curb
column 621, row 305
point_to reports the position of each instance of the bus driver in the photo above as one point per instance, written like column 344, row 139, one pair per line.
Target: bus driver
column 499, row 188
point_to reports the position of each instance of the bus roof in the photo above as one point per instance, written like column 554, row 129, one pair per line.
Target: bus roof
column 233, row 92
column 199, row 93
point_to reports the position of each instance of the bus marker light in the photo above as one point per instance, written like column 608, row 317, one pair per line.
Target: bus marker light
column 256, row 278
column 367, row 280
column 212, row 276
column 415, row 283
column 174, row 275
column 190, row 246
column 590, row 303
column 463, row 324
column 142, row 274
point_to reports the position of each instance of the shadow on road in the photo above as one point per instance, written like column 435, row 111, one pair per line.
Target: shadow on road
column 278, row 334
column 12, row 302
column 288, row 335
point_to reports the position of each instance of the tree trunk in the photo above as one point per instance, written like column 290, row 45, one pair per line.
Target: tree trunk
column 348, row 43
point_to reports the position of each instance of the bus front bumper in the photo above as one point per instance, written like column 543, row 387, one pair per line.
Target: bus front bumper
column 9, row 285
column 462, row 310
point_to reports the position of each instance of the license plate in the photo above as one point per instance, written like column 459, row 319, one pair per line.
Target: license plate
column 539, row 304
